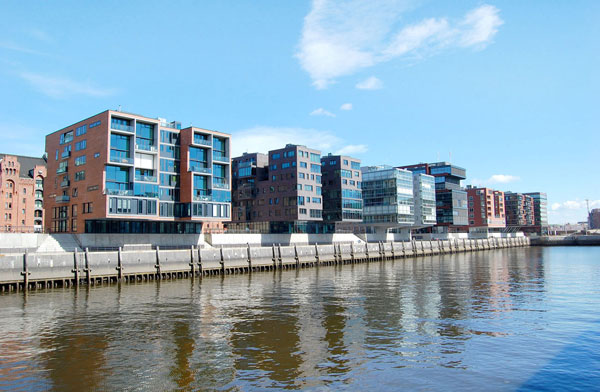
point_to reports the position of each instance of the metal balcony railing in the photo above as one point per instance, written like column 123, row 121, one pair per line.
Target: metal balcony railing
column 62, row 199
column 122, row 127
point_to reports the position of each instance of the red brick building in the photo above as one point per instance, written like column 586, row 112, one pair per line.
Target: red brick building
column 22, row 179
column 119, row 172
column 486, row 208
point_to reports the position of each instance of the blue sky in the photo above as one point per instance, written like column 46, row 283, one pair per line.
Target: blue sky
column 507, row 89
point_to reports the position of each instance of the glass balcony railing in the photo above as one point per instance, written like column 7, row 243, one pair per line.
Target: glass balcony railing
column 61, row 170
column 202, row 195
column 145, row 178
column 120, row 158
column 202, row 142
column 39, row 186
column 220, row 157
column 200, row 169
column 145, row 146
column 65, row 183
column 220, row 183
column 122, row 127
column 62, row 199
column 119, row 192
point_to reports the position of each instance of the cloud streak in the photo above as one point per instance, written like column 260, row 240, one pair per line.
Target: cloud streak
column 342, row 38
column 56, row 87
column 321, row 112
column 495, row 179
column 370, row 83
column 265, row 138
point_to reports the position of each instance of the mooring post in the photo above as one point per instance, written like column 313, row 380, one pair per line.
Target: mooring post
column 120, row 264
column 340, row 253
column 157, row 265
column 317, row 253
column 75, row 270
column 393, row 251
column 296, row 256
column 274, row 256
column 222, row 262
column 87, row 265
column 352, row 252
column 199, row 261
column 192, row 268
column 249, row 257
column 279, row 252
column 403, row 250
column 25, row 272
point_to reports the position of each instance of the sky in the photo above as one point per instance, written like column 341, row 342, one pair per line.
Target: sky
column 509, row 90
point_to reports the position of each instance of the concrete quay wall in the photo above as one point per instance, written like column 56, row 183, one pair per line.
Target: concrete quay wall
column 572, row 240
column 34, row 270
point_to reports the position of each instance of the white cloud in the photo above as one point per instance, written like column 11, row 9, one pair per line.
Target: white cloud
column 370, row 83
column 321, row 112
column 574, row 205
column 56, row 87
column 352, row 149
column 265, row 138
column 570, row 211
column 341, row 38
column 346, row 106
column 495, row 179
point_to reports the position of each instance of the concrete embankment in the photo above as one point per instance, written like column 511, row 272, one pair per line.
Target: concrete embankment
column 26, row 271
column 571, row 240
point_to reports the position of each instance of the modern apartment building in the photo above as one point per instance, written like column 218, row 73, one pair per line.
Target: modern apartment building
column 519, row 210
column 287, row 189
column 486, row 208
column 540, row 207
column 451, row 198
column 119, row 172
column 22, row 181
column 342, row 195
column 396, row 198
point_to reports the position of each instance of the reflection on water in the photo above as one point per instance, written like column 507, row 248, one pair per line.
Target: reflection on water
column 494, row 320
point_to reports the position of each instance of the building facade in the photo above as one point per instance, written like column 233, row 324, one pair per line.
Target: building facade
column 287, row 189
column 119, row 172
column 540, row 207
column 594, row 219
column 451, row 197
column 425, row 200
column 486, row 209
column 22, row 181
column 342, row 195
column 519, row 210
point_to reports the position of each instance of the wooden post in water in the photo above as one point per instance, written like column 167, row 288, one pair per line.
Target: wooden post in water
column 157, row 265
column 120, row 264
column 25, row 272
column 192, row 264
column 87, row 269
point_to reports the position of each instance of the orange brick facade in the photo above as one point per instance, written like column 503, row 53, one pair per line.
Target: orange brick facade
column 486, row 208
column 22, row 179
column 121, row 172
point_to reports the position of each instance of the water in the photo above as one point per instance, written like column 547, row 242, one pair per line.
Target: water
column 511, row 319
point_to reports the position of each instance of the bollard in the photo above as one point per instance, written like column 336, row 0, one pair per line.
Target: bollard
column 393, row 253
column 317, row 253
column 75, row 269
column 222, row 262
column 249, row 257
column 25, row 272
column 296, row 256
column 200, row 261
column 192, row 269
column 352, row 252
column 87, row 269
column 120, row 264
column 157, row 265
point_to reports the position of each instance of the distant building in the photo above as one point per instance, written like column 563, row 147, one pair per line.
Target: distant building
column 594, row 219
column 540, row 207
column 22, row 180
column 520, row 211
column 395, row 198
column 342, row 195
column 486, row 209
column 119, row 172
column 451, row 198
column 282, row 194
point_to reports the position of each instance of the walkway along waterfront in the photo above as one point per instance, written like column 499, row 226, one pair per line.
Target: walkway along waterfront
column 28, row 271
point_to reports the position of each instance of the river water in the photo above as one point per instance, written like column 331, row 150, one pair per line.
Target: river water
column 510, row 319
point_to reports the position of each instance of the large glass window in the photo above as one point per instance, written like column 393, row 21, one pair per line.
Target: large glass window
column 66, row 137
column 144, row 136
column 201, row 191
column 117, row 180
column 220, row 176
column 120, row 148
column 198, row 160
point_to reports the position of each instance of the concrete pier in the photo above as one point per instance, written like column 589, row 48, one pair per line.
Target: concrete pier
column 40, row 270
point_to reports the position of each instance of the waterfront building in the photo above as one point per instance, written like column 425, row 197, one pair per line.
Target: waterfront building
column 451, row 197
column 286, row 193
column 118, row 172
column 594, row 219
column 22, row 181
column 540, row 208
column 519, row 210
column 397, row 199
column 486, row 209
column 342, row 195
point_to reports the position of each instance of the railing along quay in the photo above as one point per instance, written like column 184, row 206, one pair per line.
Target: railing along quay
column 29, row 271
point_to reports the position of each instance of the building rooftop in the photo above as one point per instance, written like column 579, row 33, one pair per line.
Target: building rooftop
column 27, row 163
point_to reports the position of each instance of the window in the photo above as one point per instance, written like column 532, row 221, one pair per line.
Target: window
column 345, row 162
column 308, row 188
column 81, row 145
column 273, row 167
column 94, row 124
column 315, row 168
column 315, row 157
column 355, row 165
column 303, row 164
column 332, row 162
column 80, row 175
column 276, row 156
column 80, row 160
column 75, row 192
column 285, row 165
column 66, row 137
column 88, row 208
column 144, row 136
column 97, row 155
column 81, row 130
column 300, row 175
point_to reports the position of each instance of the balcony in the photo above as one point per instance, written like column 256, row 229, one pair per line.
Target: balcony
column 61, row 170
column 39, row 186
column 65, row 154
column 146, row 147
column 202, row 195
column 65, row 183
column 118, row 192
column 202, row 142
column 220, row 157
column 120, row 158
column 145, row 178
column 220, row 183
column 62, row 199
column 200, row 169
column 122, row 127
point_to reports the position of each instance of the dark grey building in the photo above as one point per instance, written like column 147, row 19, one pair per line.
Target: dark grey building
column 342, row 196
